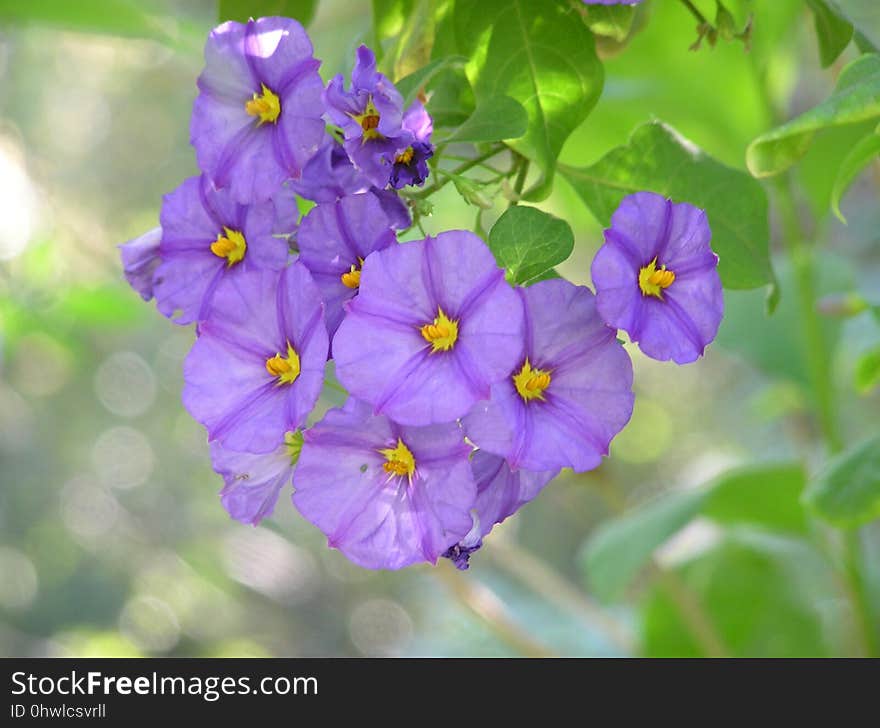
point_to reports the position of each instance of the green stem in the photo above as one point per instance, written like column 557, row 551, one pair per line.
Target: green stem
column 520, row 181
column 695, row 11
column 448, row 177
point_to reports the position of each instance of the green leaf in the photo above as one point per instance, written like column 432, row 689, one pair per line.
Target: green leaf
column 494, row 119
column 539, row 54
column 115, row 17
column 762, row 495
column 856, row 160
column 658, row 159
column 833, row 32
column 761, row 594
column 243, row 10
column 528, row 243
column 410, row 85
column 865, row 16
column 856, row 98
column 867, row 373
column 620, row 548
column 847, row 491
column 611, row 21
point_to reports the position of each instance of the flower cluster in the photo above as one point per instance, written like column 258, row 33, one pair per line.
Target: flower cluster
column 466, row 395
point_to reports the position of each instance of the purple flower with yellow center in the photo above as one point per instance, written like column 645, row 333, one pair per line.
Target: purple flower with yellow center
column 433, row 327
column 334, row 239
column 140, row 258
column 370, row 114
column 501, row 492
column 656, row 277
column 385, row 495
column 206, row 237
column 567, row 396
column 254, row 482
column 257, row 368
column 257, row 118
column 411, row 164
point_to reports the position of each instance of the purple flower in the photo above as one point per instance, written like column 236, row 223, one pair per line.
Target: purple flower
column 411, row 165
column 370, row 114
column 140, row 258
column 257, row 368
column 329, row 175
column 433, row 327
column 257, row 118
column 568, row 396
column 385, row 495
column 334, row 239
column 253, row 482
column 656, row 277
column 206, row 237
column 501, row 492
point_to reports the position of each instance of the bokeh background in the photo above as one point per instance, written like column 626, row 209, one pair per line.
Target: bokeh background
column 112, row 537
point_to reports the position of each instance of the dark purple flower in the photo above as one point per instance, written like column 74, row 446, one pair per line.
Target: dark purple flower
column 206, row 237
column 385, row 495
column 501, row 492
column 254, row 482
column 411, row 164
column 257, row 368
column 257, row 118
column 370, row 114
column 568, row 396
column 140, row 258
column 433, row 327
column 329, row 175
column 395, row 208
column 334, row 239
column 656, row 277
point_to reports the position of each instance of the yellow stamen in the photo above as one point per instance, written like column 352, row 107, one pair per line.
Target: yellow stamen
column 230, row 245
column 405, row 157
column 652, row 280
column 286, row 369
column 531, row 383
column 442, row 333
column 399, row 461
column 369, row 121
column 266, row 105
column 352, row 278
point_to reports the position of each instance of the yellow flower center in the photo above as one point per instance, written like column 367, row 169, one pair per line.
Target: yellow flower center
column 266, row 105
column 352, row 278
column 399, row 461
column 531, row 383
column 230, row 244
column 441, row 333
column 285, row 368
column 369, row 121
column 405, row 157
column 652, row 280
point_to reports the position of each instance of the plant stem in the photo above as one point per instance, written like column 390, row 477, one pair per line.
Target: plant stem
column 447, row 177
column 520, row 181
column 695, row 11
column 485, row 604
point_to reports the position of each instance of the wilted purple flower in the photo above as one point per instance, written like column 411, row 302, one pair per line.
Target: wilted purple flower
column 256, row 370
column 254, row 482
column 140, row 258
column 207, row 236
column 411, row 165
column 656, row 277
column 257, row 118
column 568, row 396
column 501, row 492
column 334, row 239
column 329, row 175
column 433, row 327
column 385, row 495
column 370, row 115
